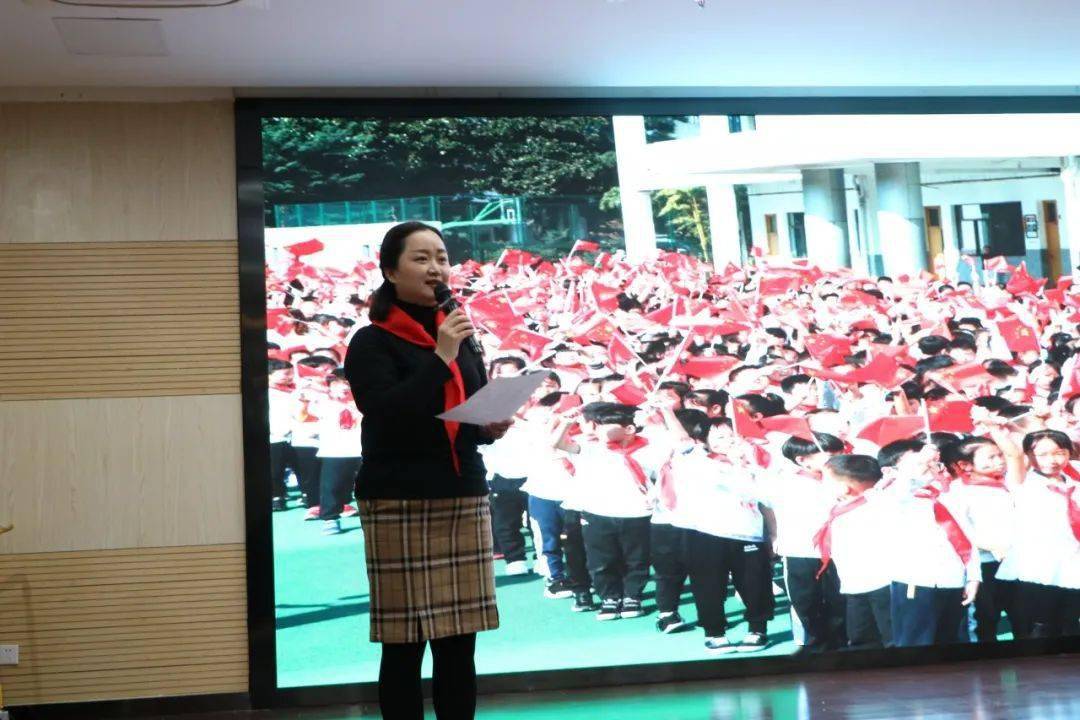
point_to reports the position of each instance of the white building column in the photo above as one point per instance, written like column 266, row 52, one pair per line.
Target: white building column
column 825, row 214
column 1069, row 214
column 723, row 211
column 723, row 225
column 900, row 220
column 637, row 214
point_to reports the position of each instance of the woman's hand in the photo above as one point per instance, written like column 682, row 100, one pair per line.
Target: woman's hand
column 496, row 430
column 455, row 328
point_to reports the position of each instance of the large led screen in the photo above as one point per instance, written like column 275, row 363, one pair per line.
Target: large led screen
column 810, row 380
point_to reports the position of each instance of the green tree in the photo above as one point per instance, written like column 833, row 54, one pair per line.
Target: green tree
column 686, row 213
column 333, row 159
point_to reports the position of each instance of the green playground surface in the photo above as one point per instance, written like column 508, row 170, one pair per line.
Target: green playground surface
column 322, row 618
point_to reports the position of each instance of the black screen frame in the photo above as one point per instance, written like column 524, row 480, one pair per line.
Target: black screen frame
column 262, row 649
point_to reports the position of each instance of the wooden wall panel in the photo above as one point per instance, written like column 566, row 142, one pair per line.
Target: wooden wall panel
column 121, row 453
column 118, row 319
column 124, row 623
column 115, row 172
column 121, row 472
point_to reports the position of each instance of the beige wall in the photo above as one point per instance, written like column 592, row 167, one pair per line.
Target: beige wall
column 120, row 420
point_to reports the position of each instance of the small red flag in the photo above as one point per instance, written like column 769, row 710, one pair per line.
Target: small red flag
column 706, row 367
column 951, row 416
column 790, row 425
column 629, row 394
column 744, row 425
column 1018, row 336
column 531, row 343
column 883, row 431
column 829, row 350
column 307, row 247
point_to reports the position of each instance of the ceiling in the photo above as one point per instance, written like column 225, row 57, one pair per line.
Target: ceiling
column 597, row 44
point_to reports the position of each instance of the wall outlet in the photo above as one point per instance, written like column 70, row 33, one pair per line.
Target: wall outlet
column 9, row 654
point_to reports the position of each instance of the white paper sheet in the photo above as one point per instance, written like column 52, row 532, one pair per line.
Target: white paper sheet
column 496, row 401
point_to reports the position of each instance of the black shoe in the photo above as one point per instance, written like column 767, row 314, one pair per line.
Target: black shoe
column 583, row 602
column 670, row 623
column 630, row 608
column 559, row 589
column 278, row 504
column 609, row 610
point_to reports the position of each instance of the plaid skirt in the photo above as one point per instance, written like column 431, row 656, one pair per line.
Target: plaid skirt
column 430, row 568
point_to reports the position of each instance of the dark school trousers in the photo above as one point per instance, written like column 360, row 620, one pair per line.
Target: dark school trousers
column 667, row 548
column 926, row 616
column 1048, row 610
column 282, row 458
column 617, row 551
column 712, row 562
column 308, row 464
column 817, row 602
column 336, row 478
column 548, row 516
column 869, row 619
column 508, row 504
column 573, row 544
column 994, row 597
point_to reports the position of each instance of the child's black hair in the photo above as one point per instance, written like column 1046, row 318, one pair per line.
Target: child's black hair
column 1056, row 436
column 694, row 422
column 932, row 344
column 788, row 384
column 889, row 455
column 796, row 447
column 861, row 468
column 609, row 413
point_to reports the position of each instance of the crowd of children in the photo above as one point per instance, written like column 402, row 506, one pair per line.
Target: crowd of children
column 900, row 448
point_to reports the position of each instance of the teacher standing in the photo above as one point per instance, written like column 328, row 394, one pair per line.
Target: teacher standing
column 422, row 485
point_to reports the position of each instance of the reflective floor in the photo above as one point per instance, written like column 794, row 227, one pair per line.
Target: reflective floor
column 1035, row 688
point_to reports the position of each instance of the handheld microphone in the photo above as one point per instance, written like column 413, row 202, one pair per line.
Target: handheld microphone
column 446, row 302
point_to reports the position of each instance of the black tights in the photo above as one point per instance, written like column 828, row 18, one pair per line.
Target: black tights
column 453, row 683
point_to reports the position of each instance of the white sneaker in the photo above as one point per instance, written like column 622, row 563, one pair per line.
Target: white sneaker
column 331, row 527
column 719, row 645
column 517, row 567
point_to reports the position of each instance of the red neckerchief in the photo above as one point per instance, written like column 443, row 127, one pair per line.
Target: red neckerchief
column 945, row 520
column 399, row 323
column 823, row 537
column 1069, row 493
column 967, row 478
column 346, row 420
column 631, row 464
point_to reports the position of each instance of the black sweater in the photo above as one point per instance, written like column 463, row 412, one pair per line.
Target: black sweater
column 398, row 387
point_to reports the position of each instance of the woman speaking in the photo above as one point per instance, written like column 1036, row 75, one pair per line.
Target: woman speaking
column 422, row 487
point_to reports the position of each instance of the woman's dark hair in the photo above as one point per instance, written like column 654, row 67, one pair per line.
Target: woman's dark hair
column 861, row 468
column 797, row 447
column 1055, row 436
column 393, row 245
